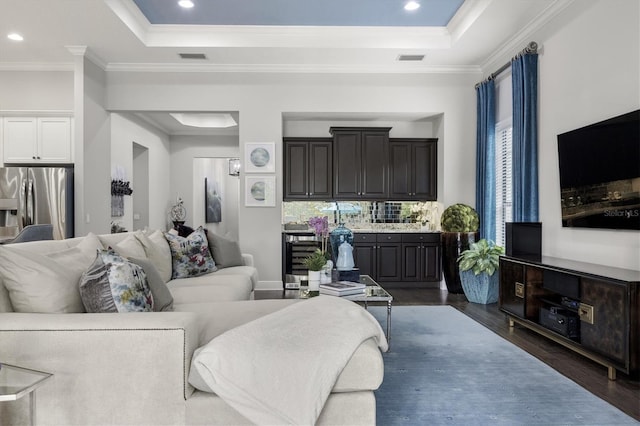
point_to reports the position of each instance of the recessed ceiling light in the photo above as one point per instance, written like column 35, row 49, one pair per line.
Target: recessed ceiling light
column 15, row 37
column 187, row 4
column 210, row 120
column 411, row 5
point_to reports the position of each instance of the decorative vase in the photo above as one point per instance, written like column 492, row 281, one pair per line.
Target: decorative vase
column 482, row 288
column 338, row 236
column 314, row 282
column 453, row 244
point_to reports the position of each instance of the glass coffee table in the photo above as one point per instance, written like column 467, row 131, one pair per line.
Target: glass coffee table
column 373, row 293
column 16, row 382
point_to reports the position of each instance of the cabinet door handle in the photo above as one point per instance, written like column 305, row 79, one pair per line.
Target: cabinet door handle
column 519, row 290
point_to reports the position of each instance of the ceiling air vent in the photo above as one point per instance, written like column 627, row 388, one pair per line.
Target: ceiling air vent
column 410, row 57
column 192, row 55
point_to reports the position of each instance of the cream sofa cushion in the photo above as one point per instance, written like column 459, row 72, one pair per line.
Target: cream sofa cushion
column 130, row 247
column 243, row 271
column 157, row 251
column 211, row 288
column 47, row 283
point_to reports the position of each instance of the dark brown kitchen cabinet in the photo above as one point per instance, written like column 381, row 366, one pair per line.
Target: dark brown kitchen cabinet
column 413, row 169
column 421, row 257
column 591, row 309
column 308, row 171
column 378, row 255
column 364, row 254
column 389, row 257
column 360, row 159
column 398, row 257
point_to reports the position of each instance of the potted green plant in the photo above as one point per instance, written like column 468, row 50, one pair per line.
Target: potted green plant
column 315, row 263
column 478, row 266
column 459, row 223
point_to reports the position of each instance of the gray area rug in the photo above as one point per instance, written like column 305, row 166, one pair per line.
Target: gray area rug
column 446, row 369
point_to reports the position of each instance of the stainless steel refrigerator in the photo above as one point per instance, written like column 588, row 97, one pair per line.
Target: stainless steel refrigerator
column 36, row 195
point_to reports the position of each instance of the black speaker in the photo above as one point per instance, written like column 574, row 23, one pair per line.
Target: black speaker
column 523, row 240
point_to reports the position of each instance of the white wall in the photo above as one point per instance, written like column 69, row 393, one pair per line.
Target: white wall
column 36, row 91
column 126, row 130
column 589, row 71
column 216, row 171
column 262, row 100
column 92, row 145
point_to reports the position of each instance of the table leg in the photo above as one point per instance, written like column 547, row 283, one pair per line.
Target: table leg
column 389, row 322
column 32, row 407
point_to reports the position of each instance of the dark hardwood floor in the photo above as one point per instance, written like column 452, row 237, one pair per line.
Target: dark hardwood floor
column 623, row 393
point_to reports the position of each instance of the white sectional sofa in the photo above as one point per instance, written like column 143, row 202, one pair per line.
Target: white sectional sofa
column 133, row 368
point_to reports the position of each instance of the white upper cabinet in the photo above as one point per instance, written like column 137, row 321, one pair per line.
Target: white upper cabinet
column 37, row 140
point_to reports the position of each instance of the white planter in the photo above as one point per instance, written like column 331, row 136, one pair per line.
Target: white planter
column 314, row 280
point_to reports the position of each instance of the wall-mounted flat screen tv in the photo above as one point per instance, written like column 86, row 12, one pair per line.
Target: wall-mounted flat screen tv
column 600, row 174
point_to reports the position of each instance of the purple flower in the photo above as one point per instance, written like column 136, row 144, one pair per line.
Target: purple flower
column 320, row 225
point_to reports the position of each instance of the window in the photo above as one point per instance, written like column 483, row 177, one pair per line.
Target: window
column 504, row 211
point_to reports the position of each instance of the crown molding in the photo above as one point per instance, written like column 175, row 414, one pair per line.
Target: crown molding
column 298, row 37
column 131, row 16
column 466, row 15
column 509, row 49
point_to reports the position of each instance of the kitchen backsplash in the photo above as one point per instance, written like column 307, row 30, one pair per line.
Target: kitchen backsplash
column 368, row 214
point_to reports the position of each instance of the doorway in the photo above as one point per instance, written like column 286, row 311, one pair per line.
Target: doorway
column 140, row 186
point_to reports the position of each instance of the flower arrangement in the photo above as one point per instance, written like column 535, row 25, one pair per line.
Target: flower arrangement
column 320, row 227
column 424, row 212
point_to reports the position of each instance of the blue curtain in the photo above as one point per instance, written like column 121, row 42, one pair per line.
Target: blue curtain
column 485, row 159
column 525, row 138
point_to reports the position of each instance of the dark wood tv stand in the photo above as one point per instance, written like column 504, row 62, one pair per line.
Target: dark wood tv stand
column 601, row 302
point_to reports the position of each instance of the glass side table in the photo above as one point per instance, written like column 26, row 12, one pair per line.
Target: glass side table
column 16, row 382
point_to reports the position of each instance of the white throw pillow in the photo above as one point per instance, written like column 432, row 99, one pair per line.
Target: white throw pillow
column 47, row 283
column 84, row 252
column 130, row 247
column 158, row 252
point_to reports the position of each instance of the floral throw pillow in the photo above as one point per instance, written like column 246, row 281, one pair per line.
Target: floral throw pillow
column 190, row 255
column 113, row 284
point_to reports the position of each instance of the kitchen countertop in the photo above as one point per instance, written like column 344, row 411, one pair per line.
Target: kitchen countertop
column 366, row 231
